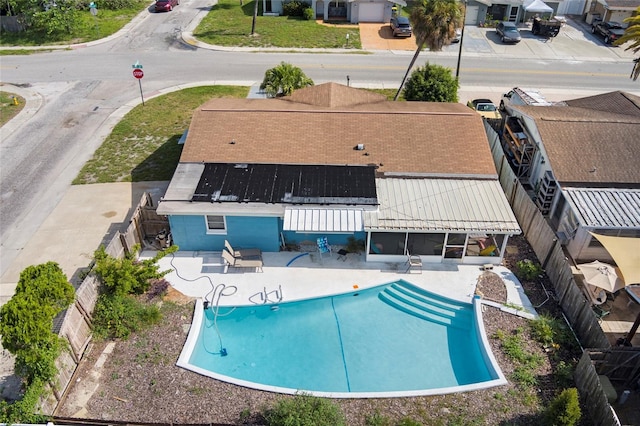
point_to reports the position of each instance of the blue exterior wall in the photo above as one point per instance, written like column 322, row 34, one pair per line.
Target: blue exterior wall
column 292, row 237
column 190, row 233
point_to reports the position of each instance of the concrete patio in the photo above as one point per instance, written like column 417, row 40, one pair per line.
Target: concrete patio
column 302, row 275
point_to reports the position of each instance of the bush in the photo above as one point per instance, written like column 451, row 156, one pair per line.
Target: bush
column 26, row 320
column 294, row 8
column 528, row 270
column 308, row 14
column 431, row 83
column 564, row 410
column 128, row 275
column 115, row 317
column 304, row 410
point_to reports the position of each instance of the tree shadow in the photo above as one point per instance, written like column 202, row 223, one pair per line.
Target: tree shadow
column 160, row 164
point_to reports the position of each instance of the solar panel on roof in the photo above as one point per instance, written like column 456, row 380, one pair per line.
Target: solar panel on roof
column 292, row 184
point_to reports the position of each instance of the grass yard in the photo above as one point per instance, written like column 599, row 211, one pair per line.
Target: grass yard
column 89, row 28
column 229, row 24
column 8, row 108
column 143, row 146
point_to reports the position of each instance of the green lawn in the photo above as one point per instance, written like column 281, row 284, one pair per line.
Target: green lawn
column 8, row 108
column 143, row 146
column 89, row 28
column 229, row 24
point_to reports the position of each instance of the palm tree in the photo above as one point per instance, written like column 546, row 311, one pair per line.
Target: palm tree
column 283, row 79
column 632, row 34
column 434, row 24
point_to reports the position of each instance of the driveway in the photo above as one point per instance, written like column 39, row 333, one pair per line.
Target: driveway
column 378, row 36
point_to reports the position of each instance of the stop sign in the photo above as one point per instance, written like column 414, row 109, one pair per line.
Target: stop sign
column 138, row 73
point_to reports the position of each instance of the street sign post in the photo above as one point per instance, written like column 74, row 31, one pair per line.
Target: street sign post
column 93, row 9
column 138, row 74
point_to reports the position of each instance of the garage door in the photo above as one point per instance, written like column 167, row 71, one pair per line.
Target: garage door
column 370, row 12
column 471, row 17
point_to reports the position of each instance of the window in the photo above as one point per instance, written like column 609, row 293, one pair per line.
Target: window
column 216, row 224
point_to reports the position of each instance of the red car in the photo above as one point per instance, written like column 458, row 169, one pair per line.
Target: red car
column 166, row 5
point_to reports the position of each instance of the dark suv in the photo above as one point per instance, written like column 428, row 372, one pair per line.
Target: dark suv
column 611, row 31
column 400, row 26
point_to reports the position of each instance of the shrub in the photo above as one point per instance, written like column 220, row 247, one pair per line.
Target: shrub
column 431, row 83
column 543, row 329
column 564, row 410
column 308, row 14
column 304, row 410
column 528, row 270
column 294, row 8
column 116, row 317
column 26, row 320
column 128, row 275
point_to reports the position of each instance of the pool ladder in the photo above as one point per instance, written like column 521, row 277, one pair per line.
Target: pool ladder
column 263, row 296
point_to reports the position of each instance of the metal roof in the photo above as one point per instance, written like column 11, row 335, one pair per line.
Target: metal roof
column 322, row 220
column 605, row 207
column 471, row 205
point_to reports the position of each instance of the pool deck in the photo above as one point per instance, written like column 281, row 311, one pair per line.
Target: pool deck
column 308, row 275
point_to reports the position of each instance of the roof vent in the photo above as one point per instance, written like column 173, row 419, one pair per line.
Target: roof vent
column 359, row 147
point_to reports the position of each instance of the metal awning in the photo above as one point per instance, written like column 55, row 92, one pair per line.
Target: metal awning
column 616, row 208
column 322, row 220
column 441, row 205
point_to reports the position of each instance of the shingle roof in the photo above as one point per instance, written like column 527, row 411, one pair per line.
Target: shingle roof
column 617, row 102
column 322, row 125
column 593, row 140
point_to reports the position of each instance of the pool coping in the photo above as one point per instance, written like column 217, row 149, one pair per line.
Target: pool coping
column 487, row 354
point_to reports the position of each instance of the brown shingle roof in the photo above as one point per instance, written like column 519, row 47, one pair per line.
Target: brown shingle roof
column 589, row 146
column 615, row 102
column 322, row 125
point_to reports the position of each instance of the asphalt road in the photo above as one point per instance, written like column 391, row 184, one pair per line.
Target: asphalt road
column 82, row 87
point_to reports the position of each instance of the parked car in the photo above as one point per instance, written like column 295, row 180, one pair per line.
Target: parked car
column 484, row 107
column 611, row 31
column 400, row 26
column 508, row 32
column 166, row 5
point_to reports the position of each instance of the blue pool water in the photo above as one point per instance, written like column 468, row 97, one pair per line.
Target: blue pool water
column 392, row 340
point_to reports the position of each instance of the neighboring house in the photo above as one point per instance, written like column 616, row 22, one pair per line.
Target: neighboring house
column 610, row 10
column 334, row 161
column 353, row 11
column 580, row 160
column 480, row 11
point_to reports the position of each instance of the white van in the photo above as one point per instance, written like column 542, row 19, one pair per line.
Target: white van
column 522, row 96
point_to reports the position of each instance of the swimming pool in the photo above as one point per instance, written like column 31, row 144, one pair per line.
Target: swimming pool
column 392, row 340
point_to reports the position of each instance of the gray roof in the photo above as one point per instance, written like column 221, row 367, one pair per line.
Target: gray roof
column 605, row 208
column 439, row 205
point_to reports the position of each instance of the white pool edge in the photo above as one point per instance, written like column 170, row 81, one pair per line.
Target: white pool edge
column 487, row 354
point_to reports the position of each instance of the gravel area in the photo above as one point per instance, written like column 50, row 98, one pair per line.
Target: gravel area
column 139, row 381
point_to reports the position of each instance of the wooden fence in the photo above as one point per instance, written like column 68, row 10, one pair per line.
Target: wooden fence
column 575, row 306
column 547, row 248
column 76, row 323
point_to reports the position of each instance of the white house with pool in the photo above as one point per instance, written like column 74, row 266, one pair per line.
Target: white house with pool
column 404, row 178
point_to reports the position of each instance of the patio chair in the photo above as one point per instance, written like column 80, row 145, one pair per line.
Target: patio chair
column 600, row 311
column 413, row 262
column 251, row 253
column 238, row 262
column 323, row 247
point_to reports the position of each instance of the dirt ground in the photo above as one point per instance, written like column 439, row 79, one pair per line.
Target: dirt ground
column 137, row 380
